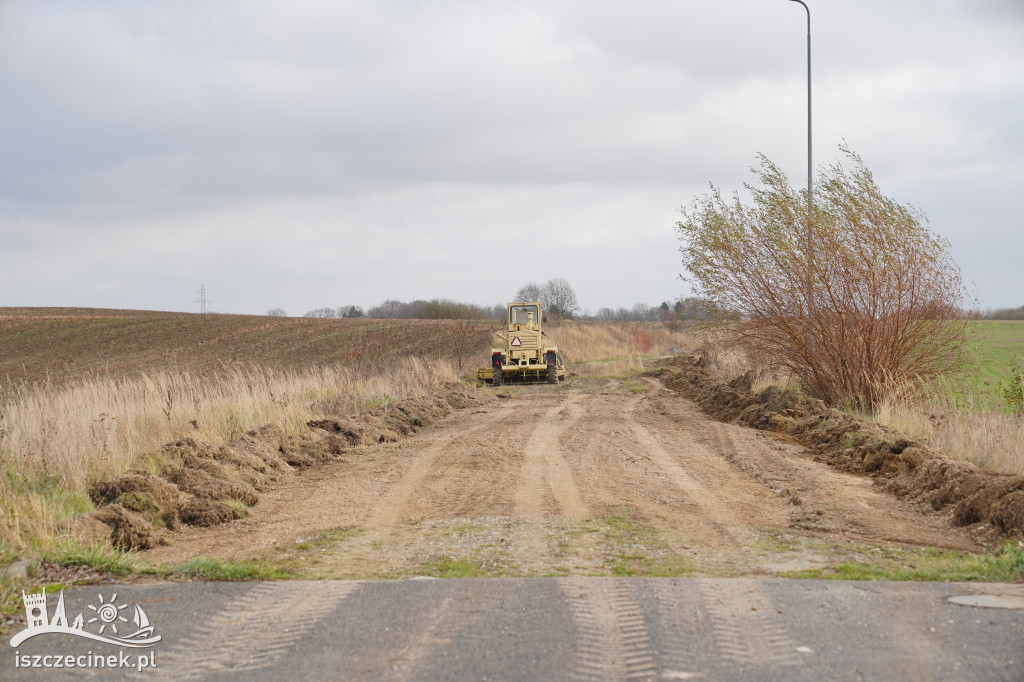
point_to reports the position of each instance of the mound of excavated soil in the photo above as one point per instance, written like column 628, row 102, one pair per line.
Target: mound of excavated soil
column 202, row 484
column 127, row 528
column 907, row 468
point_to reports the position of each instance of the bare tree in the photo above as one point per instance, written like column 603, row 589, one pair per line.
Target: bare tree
column 530, row 292
column 560, row 298
column 277, row 312
column 350, row 311
column 641, row 312
column 321, row 313
column 556, row 296
column 396, row 310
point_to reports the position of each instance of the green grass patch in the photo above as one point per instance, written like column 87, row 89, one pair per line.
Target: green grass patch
column 1003, row 565
column 212, row 569
column 451, row 567
column 238, row 508
column 852, row 439
column 98, row 555
column 325, row 539
column 62, row 501
column 634, row 549
column 10, row 595
column 67, row 552
column 997, row 345
column 459, row 528
column 777, row 541
column 634, row 385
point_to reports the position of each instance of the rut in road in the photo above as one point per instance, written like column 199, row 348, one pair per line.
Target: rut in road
column 546, row 482
column 399, row 499
column 570, row 479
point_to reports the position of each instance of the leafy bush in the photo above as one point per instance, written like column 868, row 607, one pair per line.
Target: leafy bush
column 847, row 293
column 1013, row 390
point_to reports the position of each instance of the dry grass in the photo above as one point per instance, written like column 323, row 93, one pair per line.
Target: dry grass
column 990, row 438
column 58, row 437
column 601, row 348
column 976, row 432
column 57, row 440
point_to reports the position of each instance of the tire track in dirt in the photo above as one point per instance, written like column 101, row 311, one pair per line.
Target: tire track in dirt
column 389, row 511
column 546, row 481
column 611, row 471
column 507, row 485
column 820, row 500
column 478, row 478
column 632, row 460
column 709, row 505
column 612, row 638
column 255, row 631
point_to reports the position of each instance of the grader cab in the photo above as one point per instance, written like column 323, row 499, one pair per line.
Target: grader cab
column 525, row 354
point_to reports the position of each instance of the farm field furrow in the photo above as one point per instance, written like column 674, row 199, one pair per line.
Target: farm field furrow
column 64, row 344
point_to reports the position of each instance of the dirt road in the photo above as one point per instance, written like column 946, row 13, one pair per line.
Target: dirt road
column 591, row 477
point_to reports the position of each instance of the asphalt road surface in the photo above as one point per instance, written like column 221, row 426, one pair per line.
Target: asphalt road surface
column 575, row 628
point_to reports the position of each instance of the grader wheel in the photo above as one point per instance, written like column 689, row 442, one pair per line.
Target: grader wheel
column 498, row 377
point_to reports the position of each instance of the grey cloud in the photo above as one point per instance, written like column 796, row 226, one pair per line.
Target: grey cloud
column 151, row 119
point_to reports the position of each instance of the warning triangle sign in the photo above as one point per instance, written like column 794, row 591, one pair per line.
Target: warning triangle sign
column 516, row 342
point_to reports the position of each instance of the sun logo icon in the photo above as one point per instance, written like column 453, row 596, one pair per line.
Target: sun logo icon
column 108, row 614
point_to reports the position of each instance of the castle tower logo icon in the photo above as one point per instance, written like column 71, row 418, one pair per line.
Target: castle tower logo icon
column 110, row 619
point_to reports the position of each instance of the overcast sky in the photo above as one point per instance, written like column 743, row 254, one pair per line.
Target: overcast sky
column 323, row 153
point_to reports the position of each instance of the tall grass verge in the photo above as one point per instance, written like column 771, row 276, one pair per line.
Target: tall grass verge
column 935, row 413
column 56, row 441
column 991, row 438
column 602, row 348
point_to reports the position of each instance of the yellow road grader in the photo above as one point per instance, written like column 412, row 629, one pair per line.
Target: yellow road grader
column 525, row 354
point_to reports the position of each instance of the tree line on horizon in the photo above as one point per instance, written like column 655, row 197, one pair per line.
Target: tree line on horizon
column 1003, row 314
column 557, row 298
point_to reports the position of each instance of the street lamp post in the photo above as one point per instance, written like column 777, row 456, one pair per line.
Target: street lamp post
column 810, row 169
column 809, row 246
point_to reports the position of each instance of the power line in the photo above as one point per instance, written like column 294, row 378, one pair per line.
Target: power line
column 202, row 300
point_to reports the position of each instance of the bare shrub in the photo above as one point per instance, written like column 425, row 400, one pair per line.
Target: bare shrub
column 642, row 339
column 322, row 313
column 845, row 294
